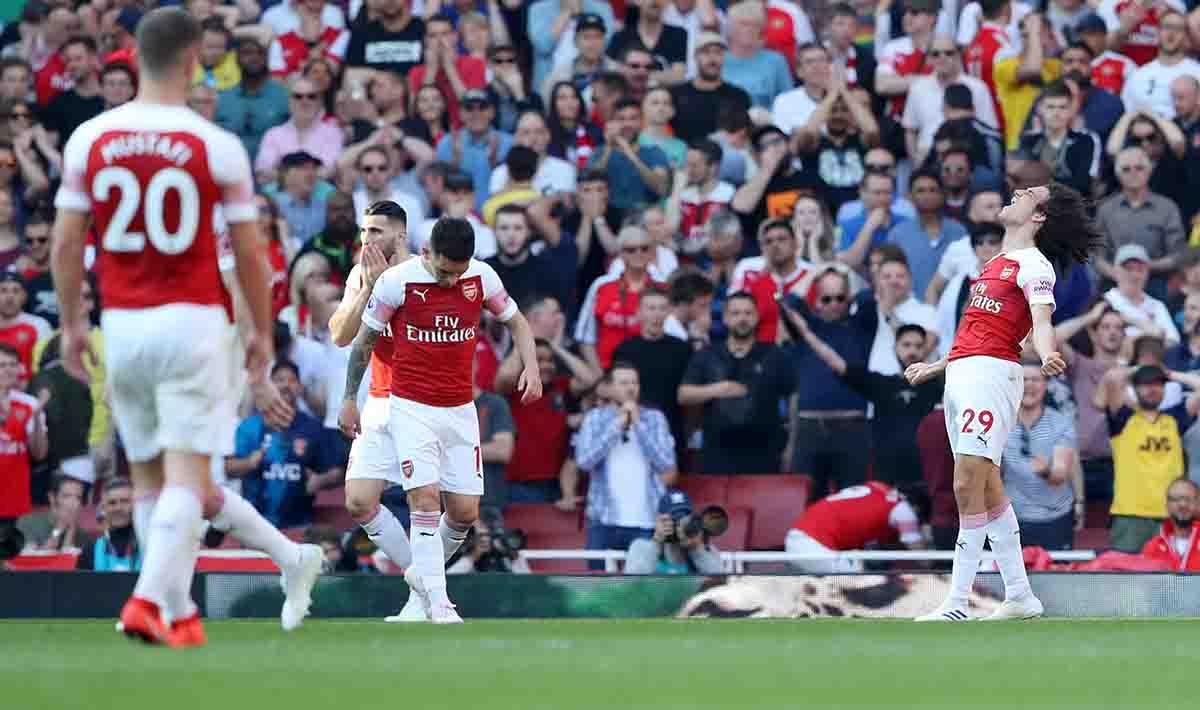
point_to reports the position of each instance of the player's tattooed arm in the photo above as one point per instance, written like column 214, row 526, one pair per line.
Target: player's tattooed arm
column 360, row 357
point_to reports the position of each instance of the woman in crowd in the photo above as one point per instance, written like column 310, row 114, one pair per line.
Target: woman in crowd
column 572, row 137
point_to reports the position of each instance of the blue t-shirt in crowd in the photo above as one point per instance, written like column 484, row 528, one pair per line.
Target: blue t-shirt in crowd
column 850, row 227
column 277, row 487
column 924, row 255
column 476, row 158
column 763, row 76
column 626, row 189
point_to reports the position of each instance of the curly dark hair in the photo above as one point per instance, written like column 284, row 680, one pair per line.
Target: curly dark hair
column 1069, row 233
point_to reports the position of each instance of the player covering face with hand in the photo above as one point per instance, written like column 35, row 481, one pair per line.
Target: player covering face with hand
column 1013, row 299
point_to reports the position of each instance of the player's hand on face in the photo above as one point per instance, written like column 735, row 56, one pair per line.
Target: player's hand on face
column 373, row 264
column 530, row 384
column 275, row 409
column 76, row 347
column 1053, row 365
column 348, row 418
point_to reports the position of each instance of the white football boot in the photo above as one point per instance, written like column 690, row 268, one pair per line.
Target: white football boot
column 297, row 582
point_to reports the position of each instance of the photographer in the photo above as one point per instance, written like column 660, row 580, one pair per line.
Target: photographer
column 681, row 540
column 493, row 548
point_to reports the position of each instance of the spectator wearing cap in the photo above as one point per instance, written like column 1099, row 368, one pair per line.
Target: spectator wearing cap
column 1136, row 216
column 121, row 28
column 476, row 148
column 218, row 65
column 667, row 44
column 442, row 66
column 700, row 102
column 552, row 26
column 1178, row 543
column 506, row 90
column 1145, row 314
column 1039, row 459
column 303, row 131
column 301, row 196
column 637, row 174
column 1147, row 447
column 589, row 61
column 257, row 103
column 1072, row 156
column 83, row 100
column 670, row 550
column 762, row 73
column 19, row 329
column 1019, row 77
column 926, row 238
column 923, row 113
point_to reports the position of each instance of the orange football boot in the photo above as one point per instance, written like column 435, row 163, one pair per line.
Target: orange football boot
column 188, row 632
column 141, row 619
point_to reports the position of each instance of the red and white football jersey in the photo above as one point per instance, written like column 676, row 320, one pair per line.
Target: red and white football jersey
column 381, row 356
column 695, row 209
column 752, row 276
column 14, row 455
column 434, row 328
column 787, row 28
column 1110, row 70
column 608, row 316
column 1142, row 43
column 997, row 318
column 858, row 515
column 23, row 334
column 901, row 58
column 289, row 52
column 152, row 176
column 980, row 56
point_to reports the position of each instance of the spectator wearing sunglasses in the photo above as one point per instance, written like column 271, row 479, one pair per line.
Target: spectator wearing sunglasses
column 1138, row 215
column 34, row 267
column 1039, row 459
column 304, row 131
column 878, row 161
column 1165, row 145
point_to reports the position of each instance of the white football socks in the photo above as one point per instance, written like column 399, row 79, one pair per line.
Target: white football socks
column 171, row 545
column 1005, row 536
column 428, row 554
column 388, row 535
column 968, row 550
column 143, row 509
column 246, row 524
column 452, row 539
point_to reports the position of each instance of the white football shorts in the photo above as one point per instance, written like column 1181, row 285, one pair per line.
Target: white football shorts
column 981, row 400
column 437, row 445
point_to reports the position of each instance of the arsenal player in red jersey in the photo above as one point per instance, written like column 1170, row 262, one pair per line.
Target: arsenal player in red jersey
column 1012, row 300
column 150, row 175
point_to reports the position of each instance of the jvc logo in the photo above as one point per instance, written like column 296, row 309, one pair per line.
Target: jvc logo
column 1156, row 443
column 283, row 472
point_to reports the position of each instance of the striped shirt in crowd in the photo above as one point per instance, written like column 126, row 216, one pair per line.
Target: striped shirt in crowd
column 1034, row 499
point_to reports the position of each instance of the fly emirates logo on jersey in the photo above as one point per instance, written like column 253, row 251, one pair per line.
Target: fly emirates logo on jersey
column 981, row 300
column 446, row 329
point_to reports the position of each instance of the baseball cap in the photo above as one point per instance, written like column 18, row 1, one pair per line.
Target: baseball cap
column 475, row 96
column 298, row 158
column 707, row 38
column 675, row 503
column 930, row 6
column 589, row 21
column 1131, row 252
column 1091, row 22
column 7, row 276
column 1149, row 374
column 128, row 19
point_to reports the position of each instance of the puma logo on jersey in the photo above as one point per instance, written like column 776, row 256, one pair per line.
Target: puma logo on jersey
column 423, row 293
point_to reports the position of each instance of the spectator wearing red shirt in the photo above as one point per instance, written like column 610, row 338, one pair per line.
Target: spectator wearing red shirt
column 851, row 519
column 1179, row 542
column 52, row 77
column 310, row 39
column 609, row 312
column 19, row 330
column 279, row 247
column 770, row 275
column 903, row 59
column 22, row 436
column 445, row 68
column 991, row 39
column 697, row 194
column 1133, row 25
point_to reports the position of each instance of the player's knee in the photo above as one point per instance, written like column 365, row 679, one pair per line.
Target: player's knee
column 964, row 487
column 360, row 506
column 462, row 515
column 426, row 499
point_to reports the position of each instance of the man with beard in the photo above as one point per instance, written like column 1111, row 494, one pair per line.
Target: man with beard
column 833, row 143
column 771, row 275
column 700, row 101
column 1097, row 108
column 774, row 189
column 1177, row 543
column 739, row 382
column 1147, row 447
column 337, row 241
column 83, row 100
column 257, row 103
column 34, row 268
column 666, row 44
column 698, row 193
column 549, row 271
column 637, row 174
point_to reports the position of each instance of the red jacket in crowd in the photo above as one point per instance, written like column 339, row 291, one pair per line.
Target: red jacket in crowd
column 1161, row 548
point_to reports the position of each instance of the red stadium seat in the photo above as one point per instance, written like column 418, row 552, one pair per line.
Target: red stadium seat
column 776, row 501
column 331, row 498
column 546, row 528
column 706, row 489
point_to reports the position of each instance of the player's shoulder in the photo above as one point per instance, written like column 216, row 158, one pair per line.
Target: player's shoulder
column 408, row 271
column 479, row 267
column 1031, row 259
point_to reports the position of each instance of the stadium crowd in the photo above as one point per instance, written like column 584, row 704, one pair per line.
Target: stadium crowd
column 730, row 224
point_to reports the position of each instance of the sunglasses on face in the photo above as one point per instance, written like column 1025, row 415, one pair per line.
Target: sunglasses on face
column 832, row 298
column 938, row 53
column 636, row 249
column 376, row 168
column 504, row 60
column 37, row 240
column 306, row 97
column 880, row 168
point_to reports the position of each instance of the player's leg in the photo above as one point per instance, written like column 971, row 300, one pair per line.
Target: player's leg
column 1005, row 536
column 147, row 480
column 427, row 576
column 461, row 513
column 372, row 468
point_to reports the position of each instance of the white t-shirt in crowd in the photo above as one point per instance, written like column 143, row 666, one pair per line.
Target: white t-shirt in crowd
column 883, row 350
column 792, row 109
column 1150, row 309
column 628, row 470
column 553, row 175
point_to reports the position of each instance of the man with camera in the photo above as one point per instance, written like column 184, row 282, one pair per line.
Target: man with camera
column 493, row 548
column 680, row 544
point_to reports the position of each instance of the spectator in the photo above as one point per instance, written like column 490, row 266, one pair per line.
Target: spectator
column 59, row 527
column 539, row 459
column 53, row 77
column 591, row 217
column 458, row 200
column 287, row 16
column 771, row 275
column 855, row 62
column 257, row 103
column 659, row 359
column 497, row 435
column 589, row 59
column 1135, row 216
column 392, row 41
column 658, row 111
column 986, row 239
column 300, row 197
column 304, row 131
column 118, row 42
column 690, row 319
column 956, row 170
column 116, row 550
column 902, row 60
column 1039, row 459
column 792, row 109
column 551, row 270
column 898, row 306
column 338, row 241
column 609, row 312
column 607, row 89
column 33, row 266
column 518, row 190
column 630, row 454
column 662, row 235
column 667, row 44
column 218, row 67
column 1109, row 70
column 1144, row 314
column 19, row 330
column 833, row 144
column 923, row 112
column 16, row 80
column 990, row 41
column 506, row 89
column 310, row 288
column 739, row 381
column 869, row 228
column 380, row 182
column 700, row 102
column 24, row 430
column 637, row 174
column 926, row 239
column 572, row 137
column 880, row 161
column 452, row 73
column 476, row 148
column 552, row 174
column 1147, row 446
column 1150, row 85
column 696, row 194
column 814, row 229
column 775, row 187
column 1165, row 146
column 637, row 64
column 83, row 100
column 1100, row 106
column 721, row 252
column 552, row 27
column 937, row 468
column 1018, row 77
column 961, row 128
column 282, row 471
column 1176, row 544
column 671, row 550
column 852, row 519
column 1073, row 156
column 762, row 73
column 431, row 121
column 118, row 84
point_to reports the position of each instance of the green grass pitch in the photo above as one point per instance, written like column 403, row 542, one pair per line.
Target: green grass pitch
column 614, row 665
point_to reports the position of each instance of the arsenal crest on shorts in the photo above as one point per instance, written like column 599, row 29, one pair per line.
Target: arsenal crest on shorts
column 407, row 468
column 470, row 290
column 299, row 446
